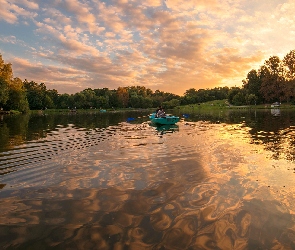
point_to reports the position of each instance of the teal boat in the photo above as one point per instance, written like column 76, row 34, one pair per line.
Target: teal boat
column 167, row 120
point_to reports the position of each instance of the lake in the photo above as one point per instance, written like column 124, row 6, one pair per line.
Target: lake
column 217, row 180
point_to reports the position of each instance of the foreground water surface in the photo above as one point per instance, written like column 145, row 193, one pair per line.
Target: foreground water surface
column 220, row 180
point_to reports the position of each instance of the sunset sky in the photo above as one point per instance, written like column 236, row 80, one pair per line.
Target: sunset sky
column 171, row 45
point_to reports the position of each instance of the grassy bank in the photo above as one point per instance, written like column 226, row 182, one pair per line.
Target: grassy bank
column 223, row 104
column 10, row 112
column 204, row 107
column 96, row 111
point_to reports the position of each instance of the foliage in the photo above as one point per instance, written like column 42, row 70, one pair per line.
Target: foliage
column 193, row 96
column 273, row 81
column 171, row 104
column 4, row 92
column 12, row 93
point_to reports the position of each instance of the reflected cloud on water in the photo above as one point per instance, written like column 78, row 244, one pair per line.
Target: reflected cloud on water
column 116, row 219
column 199, row 186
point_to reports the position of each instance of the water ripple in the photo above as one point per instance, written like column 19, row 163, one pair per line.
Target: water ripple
column 131, row 186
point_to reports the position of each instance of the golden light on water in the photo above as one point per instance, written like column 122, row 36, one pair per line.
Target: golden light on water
column 200, row 184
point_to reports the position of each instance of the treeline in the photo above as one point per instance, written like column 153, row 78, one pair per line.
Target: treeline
column 273, row 81
column 16, row 94
column 23, row 96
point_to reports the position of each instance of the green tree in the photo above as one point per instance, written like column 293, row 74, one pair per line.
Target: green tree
column 135, row 100
column 63, row 101
column 5, row 81
column 80, row 100
column 239, row 99
column 252, row 85
column 17, row 96
column 36, row 94
column 123, row 96
column 147, row 102
column 289, row 64
column 89, row 95
column 232, row 92
column 190, row 96
column 4, row 92
column 6, row 71
column 48, row 102
column 289, row 75
column 272, row 79
column 171, row 104
column 53, row 94
column 251, row 99
column 101, row 101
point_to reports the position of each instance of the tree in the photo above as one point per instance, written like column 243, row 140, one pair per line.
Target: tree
column 272, row 79
column 289, row 64
column 17, row 96
column 135, row 100
column 12, row 93
column 252, row 85
column 80, row 100
column 89, row 95
column 101, row 101
column 63, row 101
column 6, row 71
column 53, row 94
column 239, row 99
column 5, row 80
column 232, row 92
column 36, row 94
column 190, row 96
column 4, row 92
column 251, row 99
column 123, row 96
column 289, row 75
column 48, row 102
column 147, row 102
column 171, row 104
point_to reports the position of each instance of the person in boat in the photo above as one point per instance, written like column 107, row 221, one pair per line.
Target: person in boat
column 160, row 112
column 160, row 107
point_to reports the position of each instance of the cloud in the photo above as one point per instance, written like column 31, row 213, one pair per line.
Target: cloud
column 13, row 13
column 9, row 39
column 28, row 4
column 169, row 45
column 82, row 13
column 6, row 12
column 51, row 75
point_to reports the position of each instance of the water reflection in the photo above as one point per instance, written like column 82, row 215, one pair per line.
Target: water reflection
column 16, row 130
column 202, row 184
column 272, row 128
column 163, row 129
column 275, row 112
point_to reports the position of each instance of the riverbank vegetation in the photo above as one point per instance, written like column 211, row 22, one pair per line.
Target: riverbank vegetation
column 274, row 81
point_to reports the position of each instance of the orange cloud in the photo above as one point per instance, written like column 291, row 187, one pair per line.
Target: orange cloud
column 6, row 12
column 169, row 45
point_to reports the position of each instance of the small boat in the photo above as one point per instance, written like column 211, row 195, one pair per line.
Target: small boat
column 275, row 105
column 167, row 120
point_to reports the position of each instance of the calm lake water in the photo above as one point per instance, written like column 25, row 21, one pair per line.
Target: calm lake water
column 220, row 180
